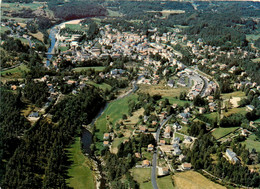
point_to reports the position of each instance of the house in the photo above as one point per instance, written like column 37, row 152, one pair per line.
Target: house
column 250, row 108
column 210, row 98
column 177, row 151
column 106, row 136
column 167, row 132
column 106, row 143
column 138, row 155
column 34, row 114
column 142, row 129
column 185, row 121
column 163, row 171
column 187, row 139
column 202, row 110
column 175, row 145
column 184, row 115
column 245, row 132
column 177, row 139
column 162, row 142
column 170, row 83
column 186, row 166
column 146, row 163
column 13, row 87
column 150, row 147
column 181, row 158
column 231, row 155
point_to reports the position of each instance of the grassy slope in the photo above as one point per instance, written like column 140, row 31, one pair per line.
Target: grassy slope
column 101, row 68
column 79, row 172
column 192, row 179
column 142, row 176
column 220, row 132
column 252, row 143
column 165, row 182
column 102, row 86
column 17, row 71
column 114, row 111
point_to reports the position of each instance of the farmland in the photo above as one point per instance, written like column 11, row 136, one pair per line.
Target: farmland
column 80, row 174
column 192, row 179
column 221, row 131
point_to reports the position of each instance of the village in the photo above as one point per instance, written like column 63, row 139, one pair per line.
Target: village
column 170, row 134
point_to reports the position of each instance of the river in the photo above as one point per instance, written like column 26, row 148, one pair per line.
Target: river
column 52, row 35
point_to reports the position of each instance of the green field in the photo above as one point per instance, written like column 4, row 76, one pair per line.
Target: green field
column 63, row 48
column 252, row 143
column 102, row 86
column 233, row 94
column 73, row 26
column 256, row 60
column 143, row 177
column 165, row 182
column 173, row 100
column 16, row 72
column 252, row 37
column 180, row 136
column 113, row 13
column 221, row 131
column 79, row 172
column 3, row 29
column 114, row 113
column 79, row 69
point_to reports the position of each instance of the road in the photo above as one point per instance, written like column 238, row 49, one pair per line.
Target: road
column 154, row 162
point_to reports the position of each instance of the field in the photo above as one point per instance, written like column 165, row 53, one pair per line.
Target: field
column 15, row 72
column 252, row 143
column 73, row 26
column 79, row 69
column 113, row 113
column 252, row 37
column 79, row 172
column 37, row 35
column 233, row 94
column 165, row 182
column 3, row 29
column 102, row 86
column 113, row 13
column 142, row 176
column 162, row 90
column 256, row 60
column 221, row 131
column 174, row 100
column 194, row 180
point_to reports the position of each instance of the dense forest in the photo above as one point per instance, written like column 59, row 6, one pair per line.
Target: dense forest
column 36, row 156
column 76, row 9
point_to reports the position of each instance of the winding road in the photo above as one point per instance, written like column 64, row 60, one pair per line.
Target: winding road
column 154, row 162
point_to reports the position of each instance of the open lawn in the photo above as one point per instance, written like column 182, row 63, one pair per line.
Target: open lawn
column 252, row 37
column 63, row 48
column 38, row 35
column 235, row 111
column 165, row 182
column 79, row 69
column 252, row 143
column 194, row 180
column 180, row 136
column 113, row 13
column 233, row 94
column 102, row 86
column 3, row 29
column 221, row 131
column 15, row 72
column 115, row 144
column 24, row 41
column 256, row 60
column 162, row 90
column 174, row 100
column 73, row 26
column 143, row 177
column 113, row 113
column 80, row 174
